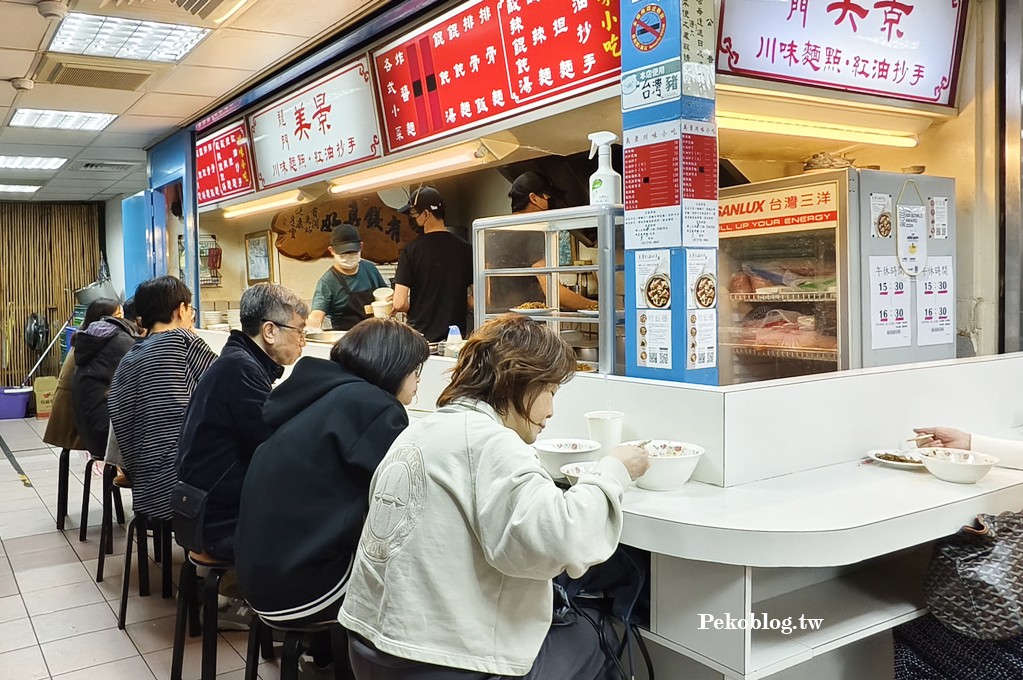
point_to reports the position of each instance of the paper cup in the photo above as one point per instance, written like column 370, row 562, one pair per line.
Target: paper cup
column 383, row 294
column 605, row 427
column 382, row 308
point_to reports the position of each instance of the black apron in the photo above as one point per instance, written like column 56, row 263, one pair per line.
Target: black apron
column 355, row 308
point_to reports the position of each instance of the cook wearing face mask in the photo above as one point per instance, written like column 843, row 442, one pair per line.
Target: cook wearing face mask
column 344, row 290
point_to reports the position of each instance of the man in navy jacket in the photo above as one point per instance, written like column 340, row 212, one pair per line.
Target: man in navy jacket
column 224, row 422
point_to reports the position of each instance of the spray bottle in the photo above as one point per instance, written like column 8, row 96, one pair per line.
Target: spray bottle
column 605, row 183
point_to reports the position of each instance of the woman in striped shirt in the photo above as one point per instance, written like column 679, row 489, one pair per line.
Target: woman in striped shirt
column 151, row 389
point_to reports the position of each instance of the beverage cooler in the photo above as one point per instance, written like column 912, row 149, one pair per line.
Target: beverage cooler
column 833, row 270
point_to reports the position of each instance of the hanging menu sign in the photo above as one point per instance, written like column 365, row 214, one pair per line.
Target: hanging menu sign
column 491, row 58
column 328, row 124
column 223, row 165
column 903, row 49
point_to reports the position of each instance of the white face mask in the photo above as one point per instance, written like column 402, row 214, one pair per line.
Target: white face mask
column 348, row 260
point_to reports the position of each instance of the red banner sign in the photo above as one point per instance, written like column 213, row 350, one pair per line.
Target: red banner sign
column 223, row 165
column 491, row 58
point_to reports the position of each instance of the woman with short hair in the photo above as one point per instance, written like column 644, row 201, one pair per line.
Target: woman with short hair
column 465, row 529
column 151, row 388
column 304, row 495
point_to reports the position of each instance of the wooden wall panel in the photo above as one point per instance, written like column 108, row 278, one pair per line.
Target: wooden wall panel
column 47, row 251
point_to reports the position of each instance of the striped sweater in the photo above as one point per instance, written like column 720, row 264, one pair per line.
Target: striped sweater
column 148, row 396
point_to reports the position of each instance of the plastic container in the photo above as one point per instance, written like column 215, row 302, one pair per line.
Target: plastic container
column 14, row 402
column 454, row 342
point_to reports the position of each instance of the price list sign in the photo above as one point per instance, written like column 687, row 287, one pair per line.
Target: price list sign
column 223, row 165
column 699, row 184
column 491, row 58
column 653, row 186
column 935, row 303
column 890, row 304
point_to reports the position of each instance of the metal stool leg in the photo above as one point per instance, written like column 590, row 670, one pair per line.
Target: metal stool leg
column 63, row 472
column 252, row 651
column 84, row 528
column 122, row 613
column 142, row 543
column 118, row 504
column 289, row 655
column 209, row 624
column 108, row 511
column 167, row 561
column 186, row 604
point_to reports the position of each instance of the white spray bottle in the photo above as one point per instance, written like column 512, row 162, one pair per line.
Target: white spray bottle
column 605, row 183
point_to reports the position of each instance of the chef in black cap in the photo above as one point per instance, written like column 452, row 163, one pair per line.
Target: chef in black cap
column 345, row 289
column 530, row 192
column 433, row 281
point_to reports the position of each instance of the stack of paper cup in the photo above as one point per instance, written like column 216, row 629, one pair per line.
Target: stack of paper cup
column 382, row 308
column 212, row 318
column 605, row 427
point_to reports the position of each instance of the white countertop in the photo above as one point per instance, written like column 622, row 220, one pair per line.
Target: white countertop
column 835, row 515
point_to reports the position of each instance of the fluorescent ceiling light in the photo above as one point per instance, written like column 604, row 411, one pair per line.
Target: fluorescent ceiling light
column 125, row 38
column 460, row 156
column 281, row 200
column 61, row 120
column 814, row 129
column 18, row 189
column 31, row 162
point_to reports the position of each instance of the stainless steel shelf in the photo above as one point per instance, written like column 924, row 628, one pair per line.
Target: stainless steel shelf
column 793, row 296
column 533, row 271
column 802, row 354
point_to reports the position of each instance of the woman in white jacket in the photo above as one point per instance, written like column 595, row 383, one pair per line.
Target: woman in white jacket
column 465, row 531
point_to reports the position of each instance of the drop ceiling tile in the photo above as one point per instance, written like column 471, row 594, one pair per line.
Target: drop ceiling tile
column 201, row 80
column 15, row 63
column 114, row 153
column 150, row 125
column 11, row 149
column 24, row 176
column 70, row 97
column 126, row 141
column 181, row 105
column 313, row 19
column 7, row 95
column 22, row 27
column 80, row 185
column 245, row 50
column 35, row 136
column 92, row 176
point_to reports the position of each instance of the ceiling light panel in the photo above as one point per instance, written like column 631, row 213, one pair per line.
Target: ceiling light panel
column 17, row 189
column 31, row 162
column 125, row 38
column 61, row 120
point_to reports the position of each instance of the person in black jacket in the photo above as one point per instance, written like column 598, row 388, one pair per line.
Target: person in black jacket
column 224, row 422
column 305, row 494
column 99, row 348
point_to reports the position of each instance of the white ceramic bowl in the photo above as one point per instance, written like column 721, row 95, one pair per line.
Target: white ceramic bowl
column 553, row 453
column 572, row 471
column 671, row 464
column 956, row 465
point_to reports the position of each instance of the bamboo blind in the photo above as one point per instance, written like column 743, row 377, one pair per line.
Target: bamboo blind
column 47, row 251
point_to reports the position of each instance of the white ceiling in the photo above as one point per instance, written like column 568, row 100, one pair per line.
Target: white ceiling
column 230, row 58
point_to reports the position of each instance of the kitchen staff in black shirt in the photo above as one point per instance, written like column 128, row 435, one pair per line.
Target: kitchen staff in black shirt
column 434, row 276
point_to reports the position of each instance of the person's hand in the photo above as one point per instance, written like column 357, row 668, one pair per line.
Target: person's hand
column 634, row 458
column 945, row 436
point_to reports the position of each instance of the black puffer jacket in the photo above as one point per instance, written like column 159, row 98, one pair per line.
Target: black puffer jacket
column 98, row 350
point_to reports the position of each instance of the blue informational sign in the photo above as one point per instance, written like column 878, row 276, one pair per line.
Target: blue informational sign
column 670, row 274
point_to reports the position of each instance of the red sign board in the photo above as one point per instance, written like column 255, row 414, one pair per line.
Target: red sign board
column 491, row 58
column 223, row 165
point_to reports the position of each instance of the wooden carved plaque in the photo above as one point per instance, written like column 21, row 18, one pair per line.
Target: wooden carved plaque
column 303, row 232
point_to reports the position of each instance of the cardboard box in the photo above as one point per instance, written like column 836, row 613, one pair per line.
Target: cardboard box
column 45, row 387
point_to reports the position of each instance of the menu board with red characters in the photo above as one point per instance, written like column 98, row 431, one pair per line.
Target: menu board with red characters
column 223, row 165
column 490, row 58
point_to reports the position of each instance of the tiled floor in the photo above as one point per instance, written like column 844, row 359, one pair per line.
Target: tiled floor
column 55, row 620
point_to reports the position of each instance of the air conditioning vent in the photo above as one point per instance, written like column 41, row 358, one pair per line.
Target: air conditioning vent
column 102, row 166
column 108, row 74
column 200, row 8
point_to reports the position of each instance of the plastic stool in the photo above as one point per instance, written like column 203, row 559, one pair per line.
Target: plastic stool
column 108, row 498
column 138, row 529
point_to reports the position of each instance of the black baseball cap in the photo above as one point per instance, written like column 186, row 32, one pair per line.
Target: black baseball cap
column 424, row 198
column 534, row 183
column 345, row 239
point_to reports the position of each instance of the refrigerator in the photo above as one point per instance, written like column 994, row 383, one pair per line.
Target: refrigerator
column 833, row 270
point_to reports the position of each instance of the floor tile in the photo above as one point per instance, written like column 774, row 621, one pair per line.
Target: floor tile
column 23, row 664
column 88, row 650
column 269, row 670
column 43, row 558
column 146, row 608
column 70, row 622
column 44, row 578
column 153, row 635
column 8, row 586
column 5, row 566
column 134, row 668
column 16, row 634
column 227, row 660
column 11, row 607
column 62, row 597
column 16, row 546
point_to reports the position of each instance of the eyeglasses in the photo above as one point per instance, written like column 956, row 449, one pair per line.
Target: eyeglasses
column 300, row 331
column 419, row 371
